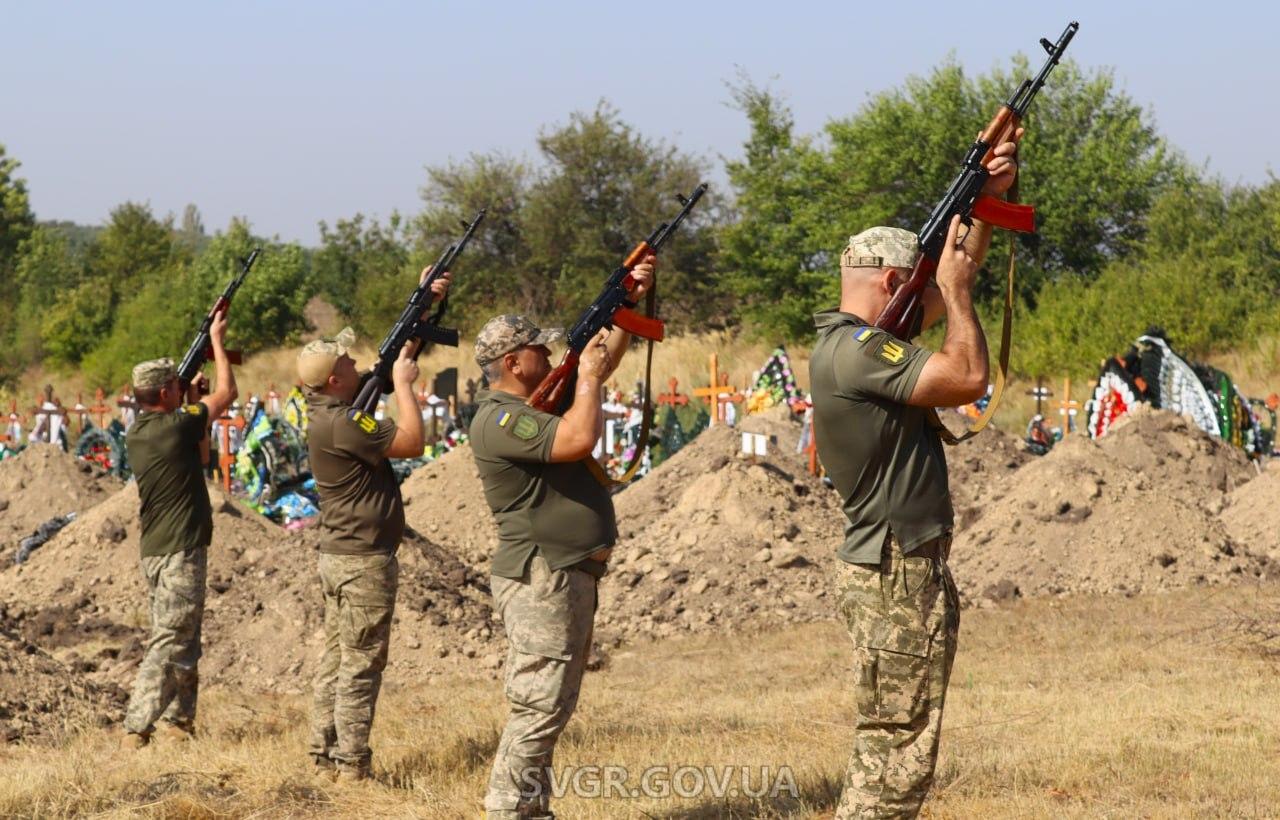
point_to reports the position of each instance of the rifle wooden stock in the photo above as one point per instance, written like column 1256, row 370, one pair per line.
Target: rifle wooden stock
column 898, row 316
column 550, row 392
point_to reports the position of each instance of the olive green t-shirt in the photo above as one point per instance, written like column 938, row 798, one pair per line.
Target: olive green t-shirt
column 559, row 510
column 164, row 451
column 361, row 512
column 883, row 455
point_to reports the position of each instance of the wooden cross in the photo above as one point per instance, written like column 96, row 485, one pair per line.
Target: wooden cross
column 14, row 426
column 81, row 411
column 273, row 399
column 1067, row 408
column 225, row 459
column 1041, row 393
column 711, row 393
column 100, row 407
column 674, row 398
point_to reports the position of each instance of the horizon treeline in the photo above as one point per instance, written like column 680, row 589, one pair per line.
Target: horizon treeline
column 1130, row 235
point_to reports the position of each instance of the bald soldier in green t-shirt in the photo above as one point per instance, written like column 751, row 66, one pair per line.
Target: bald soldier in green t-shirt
column 556, row 528
column 168, row 443
column 872, row 396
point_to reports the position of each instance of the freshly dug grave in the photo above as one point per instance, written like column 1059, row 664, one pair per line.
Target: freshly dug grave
column 42, row 482
column 82, row 595
column 1136, row 511
column 444, row 500
column 43, row 700
column 1252, row 515
column 713, row 540
column 975, row 469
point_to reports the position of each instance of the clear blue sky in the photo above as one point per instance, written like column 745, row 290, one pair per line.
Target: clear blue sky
column 289, row 113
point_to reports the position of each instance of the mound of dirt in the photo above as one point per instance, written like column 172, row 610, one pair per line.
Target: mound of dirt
column 975, row 469
column 42, row 482
column 444, row 500
column 713, row 540
column 1136, row 511
column 83, row 592
column 1252, row 515
column 44, row 700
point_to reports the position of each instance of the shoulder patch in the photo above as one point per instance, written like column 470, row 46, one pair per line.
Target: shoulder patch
column 863, row 333
column 524, row 428
column 192, row 409
column 891, row 351
column 367, row 423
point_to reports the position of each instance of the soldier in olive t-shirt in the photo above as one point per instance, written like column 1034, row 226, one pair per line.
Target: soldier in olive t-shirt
column 884, row 458
column 167, row 445
column 361, row 511
column 361, row 525
column 559, row 510
column 164, row 451
column 877, row 437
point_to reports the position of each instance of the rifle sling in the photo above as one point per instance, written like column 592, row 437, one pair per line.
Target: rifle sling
column 646, row 418
column 997, row 392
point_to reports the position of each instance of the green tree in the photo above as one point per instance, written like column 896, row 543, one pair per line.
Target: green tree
column 16, row 219
column 1092, row 163
column 493, row 274
column 16, row 225
column 269, row 308
column 554, row 232
column 46, row 269
column 359, row 267
column 129, row 252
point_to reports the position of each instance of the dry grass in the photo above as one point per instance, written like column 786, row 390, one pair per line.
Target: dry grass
column 1083, row 707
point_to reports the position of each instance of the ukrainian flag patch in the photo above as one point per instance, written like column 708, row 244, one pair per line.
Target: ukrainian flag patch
column 503, row 418
column 863, row 334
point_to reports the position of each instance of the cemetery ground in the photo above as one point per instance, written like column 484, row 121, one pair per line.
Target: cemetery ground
column 1155, row 706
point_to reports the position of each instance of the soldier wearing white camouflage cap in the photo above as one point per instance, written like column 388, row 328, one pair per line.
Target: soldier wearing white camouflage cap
column 361, row 524
column 872, row 397
column 167, row 445
column 556, row 528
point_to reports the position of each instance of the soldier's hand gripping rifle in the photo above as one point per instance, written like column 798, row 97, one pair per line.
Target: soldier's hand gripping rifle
column 413, row 326
column 201, row 349
column 613, row 307
column 901, row 316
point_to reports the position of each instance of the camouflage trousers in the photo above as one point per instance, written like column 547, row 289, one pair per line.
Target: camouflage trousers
column 359, row 600
column 548, row 617
column 168, row 680
column 904, row 619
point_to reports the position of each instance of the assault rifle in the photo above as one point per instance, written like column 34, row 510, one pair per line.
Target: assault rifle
column 413, row 325
column 613, row 307
column 901, row 316
column 201, row 349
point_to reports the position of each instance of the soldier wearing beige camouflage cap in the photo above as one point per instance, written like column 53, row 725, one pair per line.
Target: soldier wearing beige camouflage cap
column 361, row 525
column 556, row 528
column 872, row 394
column 167, row 445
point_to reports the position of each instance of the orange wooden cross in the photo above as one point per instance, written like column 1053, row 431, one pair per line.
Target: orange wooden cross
column 100, row 408
column 225, row 459
column 1068, row 408
column 711, row 393
column 15, row 419
column 674, row 398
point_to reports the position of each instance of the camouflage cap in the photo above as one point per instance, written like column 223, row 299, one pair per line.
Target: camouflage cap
column 155, row 373
column 503, row 334
column 881, row 247
column 316, row 360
